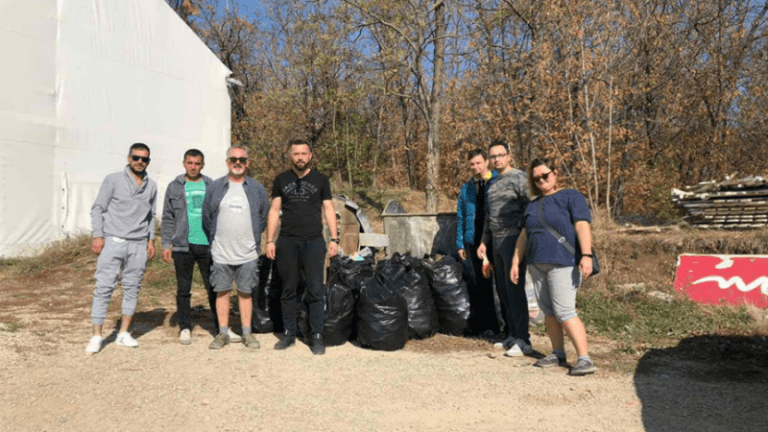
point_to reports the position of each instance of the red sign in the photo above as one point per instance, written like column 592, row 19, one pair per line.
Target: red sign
column 724, row 279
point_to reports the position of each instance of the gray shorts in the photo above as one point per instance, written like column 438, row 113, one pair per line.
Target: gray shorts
column 246, row 275
column 556, row 287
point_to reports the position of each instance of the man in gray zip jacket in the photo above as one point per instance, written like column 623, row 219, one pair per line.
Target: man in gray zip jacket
column 123, row 221
column 234, row 216
column 184, row 240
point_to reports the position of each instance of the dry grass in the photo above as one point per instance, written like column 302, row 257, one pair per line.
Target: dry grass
column 70, row 251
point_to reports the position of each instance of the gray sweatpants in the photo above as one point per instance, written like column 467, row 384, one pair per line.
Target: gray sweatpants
column 131, row 256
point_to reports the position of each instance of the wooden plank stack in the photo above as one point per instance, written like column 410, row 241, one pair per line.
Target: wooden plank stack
column 732, row 203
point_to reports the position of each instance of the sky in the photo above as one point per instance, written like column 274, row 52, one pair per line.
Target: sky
column 255, row 7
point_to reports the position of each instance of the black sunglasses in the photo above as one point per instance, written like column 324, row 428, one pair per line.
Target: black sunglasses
column 144, row 159
column 544, row 177
column 241, row 160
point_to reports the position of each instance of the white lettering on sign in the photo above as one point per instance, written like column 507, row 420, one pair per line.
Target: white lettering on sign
column 725, row 262
column 761, row 282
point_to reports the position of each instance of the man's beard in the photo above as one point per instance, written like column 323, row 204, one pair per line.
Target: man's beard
column 300, row 165
column 138, row 173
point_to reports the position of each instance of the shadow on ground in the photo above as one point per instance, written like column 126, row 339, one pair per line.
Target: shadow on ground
column 705, row 383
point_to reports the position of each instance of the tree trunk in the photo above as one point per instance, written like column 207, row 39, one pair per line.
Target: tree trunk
column 433, row 124
column 378, row 144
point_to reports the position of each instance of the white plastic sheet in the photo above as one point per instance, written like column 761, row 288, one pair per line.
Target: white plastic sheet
column 80, row 82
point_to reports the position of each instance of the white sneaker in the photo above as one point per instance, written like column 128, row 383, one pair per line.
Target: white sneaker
column 125, row 339
column 506, row 343
column 185, row 337
column 94, row 345
column 519, row 349
column 234, row 337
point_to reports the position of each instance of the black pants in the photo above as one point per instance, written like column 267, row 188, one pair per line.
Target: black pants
column 482, row 306
column 185, row 265
column 295, row 257
column 512, row 296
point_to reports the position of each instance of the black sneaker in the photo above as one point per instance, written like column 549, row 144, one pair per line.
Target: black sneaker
column 286, row 341
column 316, row 344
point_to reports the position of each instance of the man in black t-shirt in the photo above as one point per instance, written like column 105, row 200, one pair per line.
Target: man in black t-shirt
column 302, row 194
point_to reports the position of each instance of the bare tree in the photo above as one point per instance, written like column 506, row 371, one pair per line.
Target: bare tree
column 418, row 26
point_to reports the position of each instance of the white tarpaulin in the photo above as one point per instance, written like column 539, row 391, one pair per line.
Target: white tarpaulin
column 80, row 81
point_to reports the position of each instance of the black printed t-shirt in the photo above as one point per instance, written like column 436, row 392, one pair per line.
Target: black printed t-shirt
column 302, row 203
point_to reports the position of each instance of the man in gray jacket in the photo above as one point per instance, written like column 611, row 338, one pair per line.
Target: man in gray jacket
column 123, row 221
column 184, row 240
column 506, row 201
column 234, row 216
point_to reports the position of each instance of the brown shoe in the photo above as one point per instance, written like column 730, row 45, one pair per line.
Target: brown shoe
column 219, row 341
column 250, row 341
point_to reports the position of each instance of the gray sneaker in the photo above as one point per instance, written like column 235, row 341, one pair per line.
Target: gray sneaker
column 550, row 361
column 250, row 341
column 219, row 341
column 583, row 367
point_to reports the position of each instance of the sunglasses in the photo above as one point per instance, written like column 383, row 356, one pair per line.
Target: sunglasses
column 544, row 177
column 144, row 159
column 241, row 160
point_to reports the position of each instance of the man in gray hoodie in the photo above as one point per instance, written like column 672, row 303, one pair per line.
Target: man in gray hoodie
column 123, row 221
column 184, row 240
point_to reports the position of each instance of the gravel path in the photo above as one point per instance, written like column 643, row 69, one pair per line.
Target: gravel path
column 166, row 386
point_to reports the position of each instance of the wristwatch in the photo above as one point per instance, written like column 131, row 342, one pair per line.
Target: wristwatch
column 335, row 240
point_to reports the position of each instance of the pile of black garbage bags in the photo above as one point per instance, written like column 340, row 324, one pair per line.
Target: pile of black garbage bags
column 381, row 305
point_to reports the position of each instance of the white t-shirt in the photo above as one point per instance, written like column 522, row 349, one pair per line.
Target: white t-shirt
column 234, row 243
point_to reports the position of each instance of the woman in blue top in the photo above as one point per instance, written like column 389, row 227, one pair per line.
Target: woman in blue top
column 553, row 270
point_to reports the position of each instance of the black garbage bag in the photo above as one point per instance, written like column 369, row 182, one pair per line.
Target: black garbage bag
column 392, row 270
column 353, row 273
column 382, row 313
column 339, row 314
column 450, row 294
column 339, row 307
column 422, row 314
column 263, row 298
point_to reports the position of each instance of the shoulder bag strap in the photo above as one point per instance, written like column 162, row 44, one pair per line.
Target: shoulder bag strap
column 560, row 238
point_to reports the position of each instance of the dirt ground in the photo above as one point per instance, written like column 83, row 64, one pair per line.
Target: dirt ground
column 49, row 383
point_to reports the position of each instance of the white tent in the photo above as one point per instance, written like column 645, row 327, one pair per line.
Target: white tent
column 80, row 81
